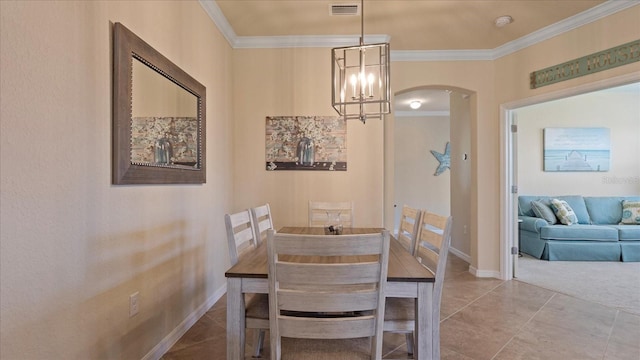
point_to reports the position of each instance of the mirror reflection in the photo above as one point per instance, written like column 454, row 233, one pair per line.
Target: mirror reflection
column 164, row 124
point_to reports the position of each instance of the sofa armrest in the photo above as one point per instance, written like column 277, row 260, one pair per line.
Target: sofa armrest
column 531, row 223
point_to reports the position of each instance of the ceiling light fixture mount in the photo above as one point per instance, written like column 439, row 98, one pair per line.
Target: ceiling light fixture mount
column 503, row 20
column 361, row 84
column 415, row 104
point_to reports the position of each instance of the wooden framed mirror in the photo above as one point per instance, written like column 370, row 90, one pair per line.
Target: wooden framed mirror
column 159, row 116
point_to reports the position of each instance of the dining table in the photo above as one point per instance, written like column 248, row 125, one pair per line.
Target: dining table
column 406, row 278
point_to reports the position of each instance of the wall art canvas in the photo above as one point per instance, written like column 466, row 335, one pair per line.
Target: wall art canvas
column 576, row 149
column 306, row 143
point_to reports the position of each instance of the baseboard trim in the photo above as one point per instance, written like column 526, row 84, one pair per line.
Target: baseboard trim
column 460, row 254
column 159, row 350
column 484, row 273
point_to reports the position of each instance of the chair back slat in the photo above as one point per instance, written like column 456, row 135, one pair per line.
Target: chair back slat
column 328, row 274
column 320, row 245
column 294, row 300
column 408, row 229
column 262, row 221
column 320, row 328
column 343, row 277
column 319, row 212
column 433, row 248
column 240, row 234
column 431, row 232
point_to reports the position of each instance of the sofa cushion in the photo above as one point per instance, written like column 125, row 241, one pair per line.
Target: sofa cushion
column 630, row 212
column 579, row 207
column 524, row 204
column 564, row 212
column 579, row 232
column 604, row 209
column 543, row 211
column 627, row 232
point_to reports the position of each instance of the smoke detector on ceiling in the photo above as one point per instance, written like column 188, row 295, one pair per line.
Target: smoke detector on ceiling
column 503, row 20
column 344, row 9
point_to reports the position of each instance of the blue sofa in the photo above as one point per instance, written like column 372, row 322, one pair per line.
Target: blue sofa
column 597, row 236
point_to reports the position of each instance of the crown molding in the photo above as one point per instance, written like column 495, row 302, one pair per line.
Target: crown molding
column 261, row 42
column 595, row 13
column 441, row 55
column 213, row 10
column 304, row 41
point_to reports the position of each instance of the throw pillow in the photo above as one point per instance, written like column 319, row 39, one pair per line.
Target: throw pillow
column 630, row 212
column 543, row 211
column 564, row 212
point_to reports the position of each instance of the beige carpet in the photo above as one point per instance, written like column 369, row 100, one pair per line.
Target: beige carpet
column 614, row 284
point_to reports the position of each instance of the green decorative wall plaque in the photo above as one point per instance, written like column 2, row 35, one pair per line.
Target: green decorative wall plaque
column 603, row 60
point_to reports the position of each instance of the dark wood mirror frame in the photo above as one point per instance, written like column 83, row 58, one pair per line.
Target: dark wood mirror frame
column 126, row 47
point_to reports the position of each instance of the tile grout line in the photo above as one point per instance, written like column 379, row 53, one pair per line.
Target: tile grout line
column 523, row 325
column 473, row 301
column 606, row 347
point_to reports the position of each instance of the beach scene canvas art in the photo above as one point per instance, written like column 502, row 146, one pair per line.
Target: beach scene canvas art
column 576, row 149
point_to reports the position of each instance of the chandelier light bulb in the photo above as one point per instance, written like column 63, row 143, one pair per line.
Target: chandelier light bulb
column 354, row 81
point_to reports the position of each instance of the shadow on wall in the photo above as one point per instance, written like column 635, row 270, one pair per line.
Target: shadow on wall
column 159, row 263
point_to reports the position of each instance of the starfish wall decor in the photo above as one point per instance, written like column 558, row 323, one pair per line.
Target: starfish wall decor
column 444, row 159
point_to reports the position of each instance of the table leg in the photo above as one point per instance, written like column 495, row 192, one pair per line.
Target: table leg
column 424, row 347
column 235, row 319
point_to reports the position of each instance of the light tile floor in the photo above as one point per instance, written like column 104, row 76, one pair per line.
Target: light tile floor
column 480, row 319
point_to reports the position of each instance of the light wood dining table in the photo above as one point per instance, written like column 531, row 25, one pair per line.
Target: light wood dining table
column 406, row 278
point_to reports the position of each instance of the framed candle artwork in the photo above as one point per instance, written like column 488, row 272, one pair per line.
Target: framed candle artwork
column 306, row 143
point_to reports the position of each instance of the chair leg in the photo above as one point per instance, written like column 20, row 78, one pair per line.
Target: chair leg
column 258, row 342
column 409, row 337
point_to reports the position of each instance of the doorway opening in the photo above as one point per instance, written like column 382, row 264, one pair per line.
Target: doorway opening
column 509, row 185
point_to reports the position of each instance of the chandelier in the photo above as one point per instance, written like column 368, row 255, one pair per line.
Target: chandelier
column 361, row 84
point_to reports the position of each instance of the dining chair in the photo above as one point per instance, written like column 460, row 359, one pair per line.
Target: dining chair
column 432, row 248
column 320, row 212
column 242, row 238
column 408, row 229
column 262, row 221
column 306, row 280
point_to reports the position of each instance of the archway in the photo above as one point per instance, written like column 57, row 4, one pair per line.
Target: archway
column 421, row 134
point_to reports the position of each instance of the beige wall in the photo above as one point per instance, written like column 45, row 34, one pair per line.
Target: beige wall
column 512, row 71
column 74, row 247
column 460, row 192
column 271, row 82
column 415, row 166
column 615, row 109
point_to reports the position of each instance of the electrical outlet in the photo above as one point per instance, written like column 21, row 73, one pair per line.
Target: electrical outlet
column 133, row 304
